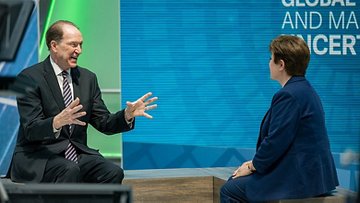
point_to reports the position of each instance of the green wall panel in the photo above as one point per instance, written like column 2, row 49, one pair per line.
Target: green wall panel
column 99, row 23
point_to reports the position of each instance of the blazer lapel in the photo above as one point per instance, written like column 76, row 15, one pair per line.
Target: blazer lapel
column 261, row 136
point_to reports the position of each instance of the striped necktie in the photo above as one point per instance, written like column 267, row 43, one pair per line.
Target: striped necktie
column 70, row 152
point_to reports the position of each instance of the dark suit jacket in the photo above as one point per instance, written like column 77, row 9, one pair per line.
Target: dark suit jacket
column 293, row 157
column 43, row 100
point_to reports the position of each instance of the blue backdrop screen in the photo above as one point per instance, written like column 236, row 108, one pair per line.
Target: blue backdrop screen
column 207, row 61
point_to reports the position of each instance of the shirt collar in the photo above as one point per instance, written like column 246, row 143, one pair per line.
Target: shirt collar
column 56, row 68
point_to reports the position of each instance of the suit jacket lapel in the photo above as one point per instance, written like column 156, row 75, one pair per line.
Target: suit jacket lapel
column 75, row 81
column 53, row 84
column 75, row 77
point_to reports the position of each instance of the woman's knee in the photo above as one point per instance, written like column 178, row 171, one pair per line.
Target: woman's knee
column 224, row 189
column 231, row 191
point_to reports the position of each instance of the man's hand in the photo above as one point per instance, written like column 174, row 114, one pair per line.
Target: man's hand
column 70, row 115
column 138, row 107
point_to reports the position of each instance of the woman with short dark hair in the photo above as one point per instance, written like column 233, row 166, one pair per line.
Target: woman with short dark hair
column 293, row 158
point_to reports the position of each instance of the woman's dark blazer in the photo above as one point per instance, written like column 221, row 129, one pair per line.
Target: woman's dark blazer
column 293, row 157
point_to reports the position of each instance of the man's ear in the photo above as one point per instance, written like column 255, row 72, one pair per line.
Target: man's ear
column 53, row 45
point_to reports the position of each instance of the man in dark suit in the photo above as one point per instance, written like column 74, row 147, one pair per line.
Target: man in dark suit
column 55, row 112
column 293, row 158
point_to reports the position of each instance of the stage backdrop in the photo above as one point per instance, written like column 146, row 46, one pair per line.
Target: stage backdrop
column 99, row 23
column 26, row 55
column 207, row 61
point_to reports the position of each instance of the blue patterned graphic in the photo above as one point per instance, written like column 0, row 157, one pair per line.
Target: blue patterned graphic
column 27, row 55
column 207, row 61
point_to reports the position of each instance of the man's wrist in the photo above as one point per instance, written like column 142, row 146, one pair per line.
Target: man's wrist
column 55, row 124
column 127, row 115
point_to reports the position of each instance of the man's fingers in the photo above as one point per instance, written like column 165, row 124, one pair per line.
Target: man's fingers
column 72, row 113
column 145, row 96
column 151, row 100
column 79, row 114
column 78, row 122
column 76, row 109
column 141, row 105
column 150, row 107
column 147, row 115
column 74, row 103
